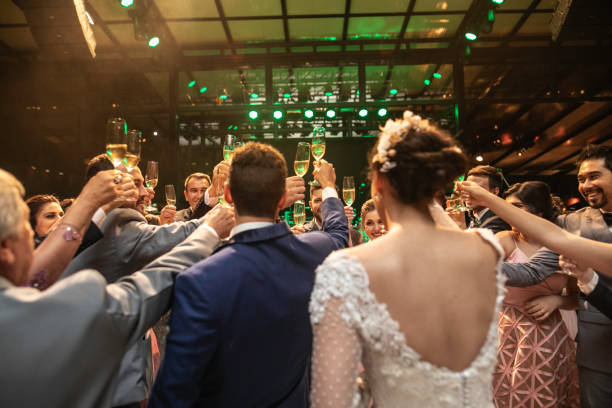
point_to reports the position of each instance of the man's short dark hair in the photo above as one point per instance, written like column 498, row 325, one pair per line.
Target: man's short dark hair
column 494, row 176
column 591, row 152
column 257, row 179
column 97, row 164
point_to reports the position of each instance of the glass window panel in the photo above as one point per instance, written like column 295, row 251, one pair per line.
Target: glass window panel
column 315, row 7
column 315, row 28
column 376, row 47
column 375, row 27
column 251, row 8
column 485, row 44
column 18, row 38
column 547, row 4
column 109, row 10
column 257, row 30
column 160, row 82
column 408, row 79
column 197, row 32
column 195, row 53
column 433, row 26
column 125, row 35
column 418, row 46
column 445, row 82
column 537, row 23
column 328, row 48
column 102, row 39
column 11, row 14
column 302, row 49
column 251, row 50
column 503, row 24
column 184, row 8
column 388, row 6
column 442, row 5
column 515, row 5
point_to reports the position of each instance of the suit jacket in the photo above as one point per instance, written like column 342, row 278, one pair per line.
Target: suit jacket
column 129, row 244
column 62, row 347
column 601, row 298
column 239, row 332
column 491, row 221
column 594, row 328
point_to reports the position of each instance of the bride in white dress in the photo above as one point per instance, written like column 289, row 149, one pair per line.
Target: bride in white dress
column 417, row 306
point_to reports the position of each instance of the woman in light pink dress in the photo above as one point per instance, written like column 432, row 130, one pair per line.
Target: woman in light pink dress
column 536, row 365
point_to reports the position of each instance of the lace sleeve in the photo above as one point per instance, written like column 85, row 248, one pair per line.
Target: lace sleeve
column 335, row 360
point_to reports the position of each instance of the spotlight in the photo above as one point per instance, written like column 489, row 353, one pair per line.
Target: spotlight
column 308, row 114
column 471, row 36
column 278, row 115
column 497, row 1
column 153, row 42
column 479, row 158
column 392, row 91
column 436, row 75
column 427, row 82
column 330, row 113
column 382, row 112
column 203, row 89
column 253, row 114
column 254, row 95
column 363, row 112
column 191, row 84
column 127, row 3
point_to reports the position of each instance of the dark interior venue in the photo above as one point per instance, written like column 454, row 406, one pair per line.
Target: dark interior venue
column 306, row 203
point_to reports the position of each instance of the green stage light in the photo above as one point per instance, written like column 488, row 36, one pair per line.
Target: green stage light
column 471, row 36
column 427, row 82
column 286, row 95
column 253, row 114
column 203, row 89
column 382, row 112
column 191, row 84
column 392, row 91
column 127, row 3
column 491, row 15
column 330, row 113
column 328, row 93
column 436, row 75
column 497, row 1
column 154, row 42
column 254, row 95
column 362, row 113
column 308, row 113
column 223, row 97
column 278, row 115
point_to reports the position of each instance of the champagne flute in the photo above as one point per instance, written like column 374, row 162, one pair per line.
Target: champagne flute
column 116, row 143
column 228, row 147
column 348, row 190
column 302, row 159
column 134, row 147
column 170, row 195
column 151, row 178
column 299, row 214
column 318, row 143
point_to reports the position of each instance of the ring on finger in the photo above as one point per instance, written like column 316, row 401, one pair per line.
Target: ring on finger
column 117, row 179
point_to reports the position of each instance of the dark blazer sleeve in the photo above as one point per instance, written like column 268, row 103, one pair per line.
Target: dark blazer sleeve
column 601, row 298
column 334, row 221
column 541, row 265
column 496, row 224
column 92, row 235
column 201, row 209
column 190, row 346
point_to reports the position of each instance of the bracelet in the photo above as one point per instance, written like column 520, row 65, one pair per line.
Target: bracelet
column 71, row 233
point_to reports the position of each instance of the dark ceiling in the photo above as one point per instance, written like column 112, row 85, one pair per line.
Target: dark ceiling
column 516, row 97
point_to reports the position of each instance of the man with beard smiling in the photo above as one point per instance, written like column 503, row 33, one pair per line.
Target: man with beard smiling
column 594, row 222
column 130, row 243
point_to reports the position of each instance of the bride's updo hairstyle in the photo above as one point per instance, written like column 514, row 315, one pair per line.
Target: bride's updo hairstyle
column 417, row 158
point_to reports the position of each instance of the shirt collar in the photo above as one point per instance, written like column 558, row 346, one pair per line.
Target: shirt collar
column 480, row 214
column 249, row 226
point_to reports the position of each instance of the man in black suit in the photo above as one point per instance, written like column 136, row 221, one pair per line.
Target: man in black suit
column 490, row 179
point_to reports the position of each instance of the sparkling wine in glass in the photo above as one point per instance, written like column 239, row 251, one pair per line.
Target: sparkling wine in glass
column 151, row 178
column 134, row 146
column 299, row 213
column 302, row 159
column 170, row 195
column 318, row 143
column 348, row 190
column 116, row 140
column 229, row 147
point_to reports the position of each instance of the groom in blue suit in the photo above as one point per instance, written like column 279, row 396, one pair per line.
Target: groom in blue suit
column 240, row 333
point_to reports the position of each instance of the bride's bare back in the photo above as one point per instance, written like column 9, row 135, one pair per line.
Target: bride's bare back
column 439, row 285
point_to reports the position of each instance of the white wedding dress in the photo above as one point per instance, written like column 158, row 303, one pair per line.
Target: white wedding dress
column 351, row 326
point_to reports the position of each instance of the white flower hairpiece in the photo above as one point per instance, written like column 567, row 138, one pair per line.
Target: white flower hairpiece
column 394, row 132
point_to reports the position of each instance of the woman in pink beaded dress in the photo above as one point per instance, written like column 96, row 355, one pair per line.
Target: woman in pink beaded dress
column 536, row 365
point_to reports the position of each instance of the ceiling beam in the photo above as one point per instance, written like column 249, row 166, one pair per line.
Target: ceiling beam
column 552, row 165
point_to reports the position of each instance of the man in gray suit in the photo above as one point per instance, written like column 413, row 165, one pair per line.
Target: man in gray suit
column 62, row 347
column 130, row 243
column 593, row 222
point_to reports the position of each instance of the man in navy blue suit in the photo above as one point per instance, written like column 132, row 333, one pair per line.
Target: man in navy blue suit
column 240, row 334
